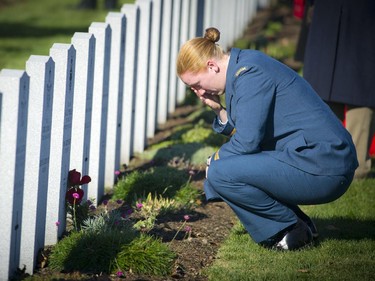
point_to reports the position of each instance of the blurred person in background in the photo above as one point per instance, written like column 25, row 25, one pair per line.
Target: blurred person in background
column 339, row 63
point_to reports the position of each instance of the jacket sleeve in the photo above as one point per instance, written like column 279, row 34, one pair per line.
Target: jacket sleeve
column 254, row 93
column 226, row 129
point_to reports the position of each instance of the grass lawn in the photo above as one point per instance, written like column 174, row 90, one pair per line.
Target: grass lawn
column 31, row 27
column 344, row 251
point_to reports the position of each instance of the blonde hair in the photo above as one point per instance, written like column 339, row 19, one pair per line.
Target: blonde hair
column 194, row 53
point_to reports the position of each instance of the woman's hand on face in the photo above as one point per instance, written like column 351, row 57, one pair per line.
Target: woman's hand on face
column 212, row 101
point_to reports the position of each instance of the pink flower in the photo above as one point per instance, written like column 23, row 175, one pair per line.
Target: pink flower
column 117, row 173
column 186, row 217
column 119, row 273
column 57, row 223
column 188, row 228
column 139, row 205
column 74, row 195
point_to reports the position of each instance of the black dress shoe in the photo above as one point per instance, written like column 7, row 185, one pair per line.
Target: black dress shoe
column 300, row 214
column 296, row 238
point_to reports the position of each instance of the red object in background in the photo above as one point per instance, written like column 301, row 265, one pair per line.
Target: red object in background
column 298, row 8
column 372, row 147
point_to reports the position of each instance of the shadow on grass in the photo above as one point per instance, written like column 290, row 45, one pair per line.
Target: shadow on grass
column 345, row 229
column 159, row 181
column 185, row 151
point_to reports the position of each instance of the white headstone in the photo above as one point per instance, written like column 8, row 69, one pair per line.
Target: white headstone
column 253, row 9
column 220, row 23
column 131, row 12
column 239, row 23
column 102, row 33
column 84, row 43
column 172, row 99
column 116, row 87
column 208, row 7
column 165, row 60
column 184, row 36
column 64, row 57
column 193, row 17
column 263, row 3
column 154, row 67
column 41, row 72
column 141, row 100
column 14, row 91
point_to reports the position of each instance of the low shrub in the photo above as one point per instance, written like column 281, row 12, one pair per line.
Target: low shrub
column 146, row 255
column 88, row 251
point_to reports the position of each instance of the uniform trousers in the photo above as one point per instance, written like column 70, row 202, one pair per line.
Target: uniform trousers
column 265, row 192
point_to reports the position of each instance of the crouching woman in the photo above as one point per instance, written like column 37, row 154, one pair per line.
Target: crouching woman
column 286, row 147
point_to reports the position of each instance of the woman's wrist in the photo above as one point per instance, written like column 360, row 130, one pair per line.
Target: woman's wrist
column 218, row 110
column 222, row 114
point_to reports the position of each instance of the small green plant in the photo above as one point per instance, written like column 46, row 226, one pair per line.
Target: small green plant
column 147, row 209
column 90, row 251
column 273, row 28
column 188, row 196
column 105, row 221
column 201, row 133
column 146, row 255
column 280, row 51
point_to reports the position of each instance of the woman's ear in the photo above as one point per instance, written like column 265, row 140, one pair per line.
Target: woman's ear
column 211, row 64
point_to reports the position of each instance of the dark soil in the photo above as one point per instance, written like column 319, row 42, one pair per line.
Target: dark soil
column 210, row 223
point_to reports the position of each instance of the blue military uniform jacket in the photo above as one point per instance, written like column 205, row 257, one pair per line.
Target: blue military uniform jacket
column 271, row 109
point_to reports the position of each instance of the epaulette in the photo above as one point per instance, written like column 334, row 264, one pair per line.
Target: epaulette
column 216, row 157
column 240, row 70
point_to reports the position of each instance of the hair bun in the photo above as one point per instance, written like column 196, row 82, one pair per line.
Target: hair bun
column 212, row 34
